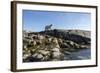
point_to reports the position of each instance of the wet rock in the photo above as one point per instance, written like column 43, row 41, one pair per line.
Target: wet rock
column 67, row 52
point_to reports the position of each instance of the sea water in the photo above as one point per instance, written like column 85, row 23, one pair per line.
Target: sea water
column 79, row 55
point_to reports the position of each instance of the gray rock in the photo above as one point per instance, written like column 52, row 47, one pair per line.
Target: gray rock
column 38, row 42
column 54, row 59
column 40, row 37
column 25, row 46
column 45, row 58
column 55, row 50
column 39, row 56
column 54, row 40
column 67, row 52
column 56, row 55
column 44, row 52
column 64, row 45
column 49, row 39
column 25, row 56
column 60, row 41
column 35, row 55
column 57, row 45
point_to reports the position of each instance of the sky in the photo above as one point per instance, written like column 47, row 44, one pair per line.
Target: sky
column 37, row 20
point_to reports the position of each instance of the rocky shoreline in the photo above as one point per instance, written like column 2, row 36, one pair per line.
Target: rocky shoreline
column 51, row 45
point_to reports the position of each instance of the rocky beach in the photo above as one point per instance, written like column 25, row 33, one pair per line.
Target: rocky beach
column 56, row 45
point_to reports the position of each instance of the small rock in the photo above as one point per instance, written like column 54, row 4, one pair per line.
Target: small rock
column 67, row 52
column 57, row 45
column 25, row 46
column 55, row 50
column 43, row 52
column 26, row 56
column 34, row 36
column 38, row 42
column 49, row 39
column 54, row 59
column 54, row 40
column 39, row 56
column 40, row 37
column 64, row 45
column 72, row 43
column 60, row 41
column 34, row 55
column 45, row 58
column 56, row 55
column 34, row 42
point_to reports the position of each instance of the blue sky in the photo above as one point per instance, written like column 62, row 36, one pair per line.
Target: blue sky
column 37, row 20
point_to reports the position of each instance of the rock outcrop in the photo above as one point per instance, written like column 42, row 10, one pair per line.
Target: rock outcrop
column 52, row 45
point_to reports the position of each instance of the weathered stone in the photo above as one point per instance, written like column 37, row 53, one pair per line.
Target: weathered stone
column 45, row 58
column 25, row 46
column 43, row 52
column 54, row 59
column 34, row 42
column 60, row 41
column 55, row 50
column 57, row 45
column 67, row 52
column 52, row 45
column 26, row 56
column 56, row 55
column 40, row 37
column 34, row 55
column 54, row 40
column 34, row 36
column 49, row 39
column 64, row 45
column 38, row 42
column 72, row 43
column 77, row 46
column 39, row 56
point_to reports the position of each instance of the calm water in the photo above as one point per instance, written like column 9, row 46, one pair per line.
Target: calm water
column 79, row 55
